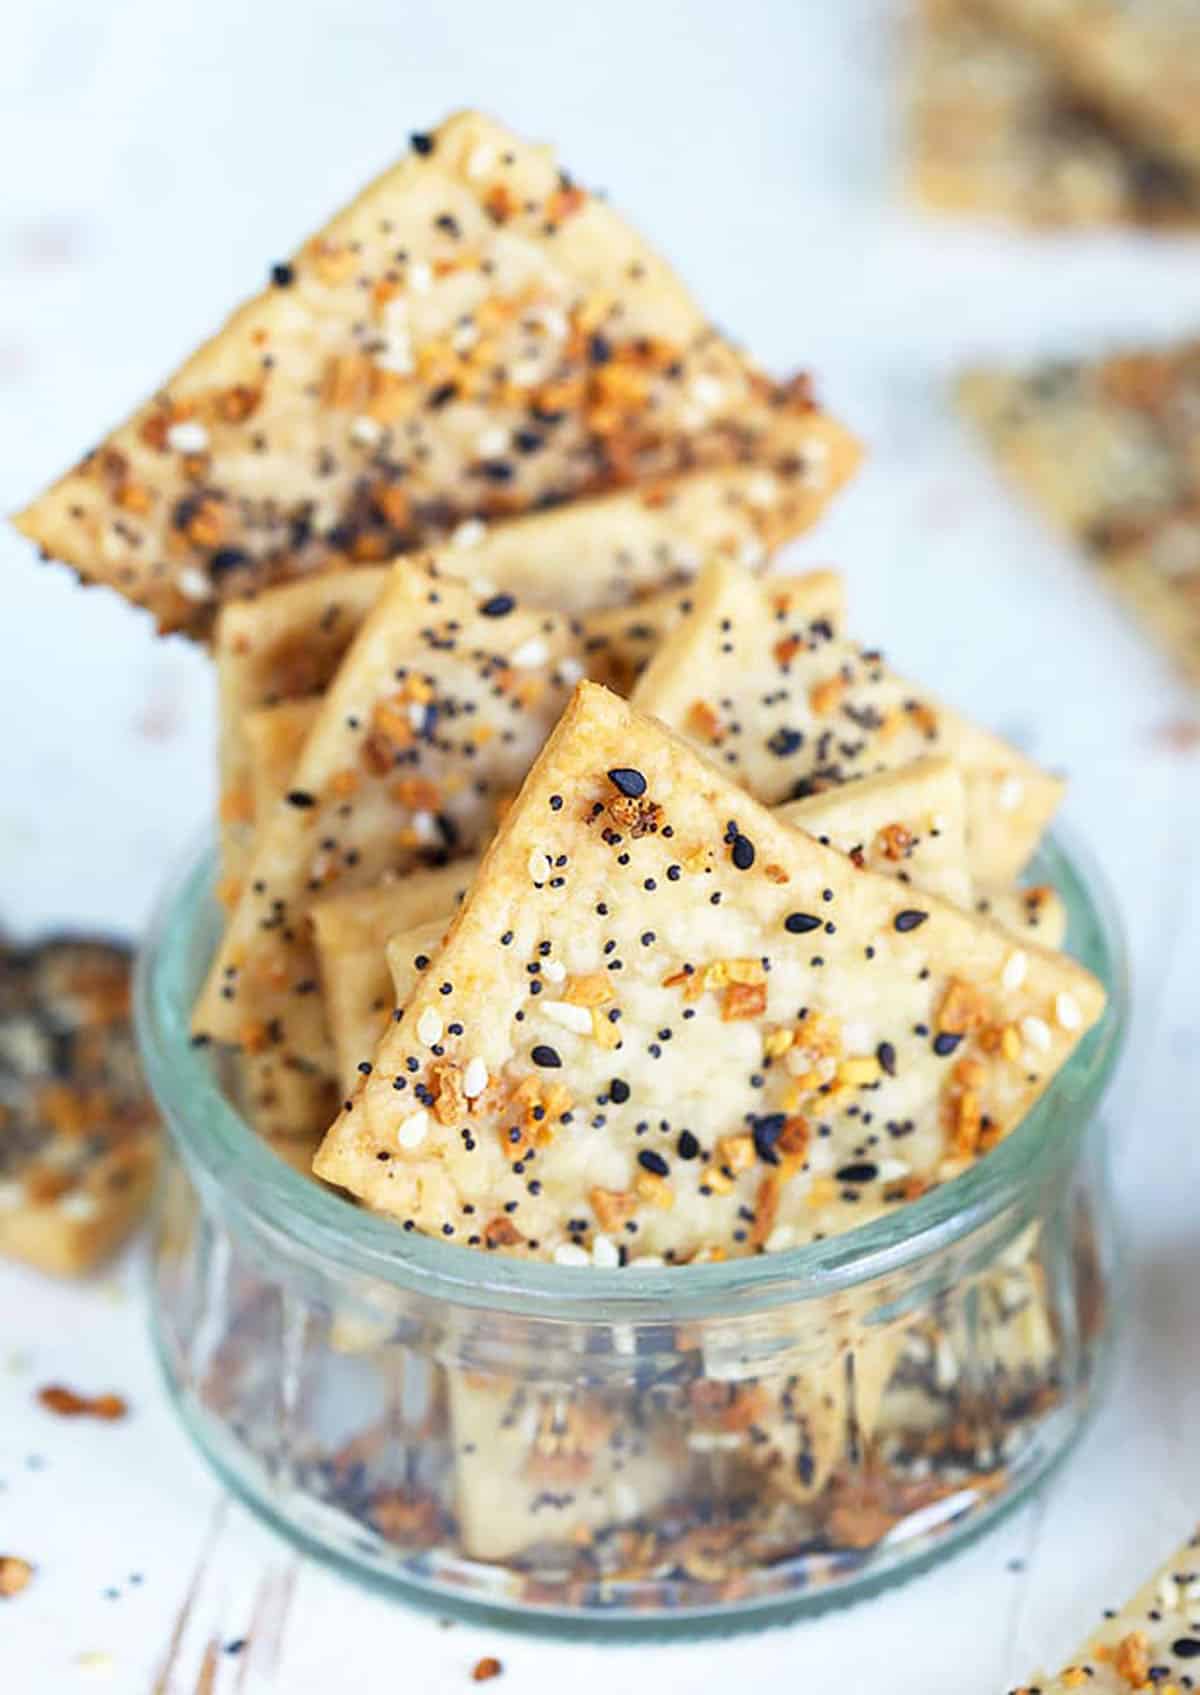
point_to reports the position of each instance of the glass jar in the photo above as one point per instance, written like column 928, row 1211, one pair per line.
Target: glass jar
column 676, row 1448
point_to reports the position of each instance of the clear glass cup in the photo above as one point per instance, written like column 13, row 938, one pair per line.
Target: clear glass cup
column 674, row 1449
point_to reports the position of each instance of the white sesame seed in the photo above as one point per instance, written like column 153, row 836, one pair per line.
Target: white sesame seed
column 570, row 670
column 425, row 827
column 552, row 321
column 577, row 1018
column 420, row 277
column 532, row 653
column 892, row 1170
column 538, row 866
column 761, row 490
column 416, row 714
column 707, row 392
column 193, row 584
column 625, row 1499
column 492, row 443
column 604, row 1253
column 1016, row 968
column 1012, row 793
column 554, row 971
column 411, row 1131
column 475, row 1078
column 481, row 160
column 469, row 533
column 780, row 1238
column 945, row 1366
column 78, row 1205
column 525, row 372
column 429, row 1027
column 397, row 355
column 713, row 1441
column 816, row 463
column 187, row 437
column 1067, row 1011
column 365, row 432
column 570, row 1253
column 1036, row 1032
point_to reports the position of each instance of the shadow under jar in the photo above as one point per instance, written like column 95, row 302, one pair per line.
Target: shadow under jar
column 676, row 1449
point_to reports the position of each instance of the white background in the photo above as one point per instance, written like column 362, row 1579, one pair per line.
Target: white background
column 156, row 158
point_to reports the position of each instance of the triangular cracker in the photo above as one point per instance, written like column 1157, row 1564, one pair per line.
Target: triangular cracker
column 660, row 1009
column 474, row 336
column 761, row 677
column 426, row 731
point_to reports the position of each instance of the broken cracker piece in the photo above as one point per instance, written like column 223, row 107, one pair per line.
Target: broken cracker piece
column 641, row 871
column 79, row 1135
column 473, row 337
column 760, row 676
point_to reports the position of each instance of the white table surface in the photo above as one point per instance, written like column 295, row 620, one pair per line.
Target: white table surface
column 156, row 159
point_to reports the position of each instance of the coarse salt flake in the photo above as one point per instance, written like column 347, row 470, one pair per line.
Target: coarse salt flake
column 365, row 432
column 469, row 533
column 187, row 437
column 532, row 653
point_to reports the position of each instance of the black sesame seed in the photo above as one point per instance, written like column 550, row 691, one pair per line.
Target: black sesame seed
column 499, row 606
column 800, row 923
column 618, row 1090
column 742, row 853
column 945, row 1043
column 547, row 1056
column 861, row 1171
column 631, row 783
column 1186, row 1647
column 885, row 1053
column 301, row 798
column 687, row 1146
column 650, row 1161
column 227, row 559
column 283, row 276
column 767, row 1132
column 909, row 919
column 421, row 143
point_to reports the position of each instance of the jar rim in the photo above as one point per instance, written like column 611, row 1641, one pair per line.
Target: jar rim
column 225, row 1154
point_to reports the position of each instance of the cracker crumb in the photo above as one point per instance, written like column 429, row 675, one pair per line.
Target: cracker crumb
column 67, row 1403
column 15, row 1575
column 485, row 1669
